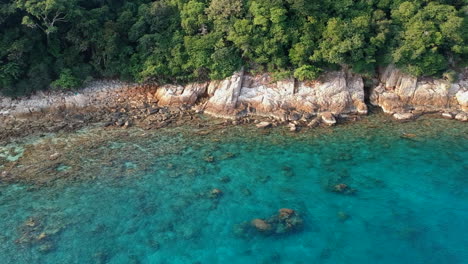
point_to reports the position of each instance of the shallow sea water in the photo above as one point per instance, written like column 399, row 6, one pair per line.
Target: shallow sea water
column 410, row 204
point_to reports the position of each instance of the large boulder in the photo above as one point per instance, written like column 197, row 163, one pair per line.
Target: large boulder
column 399, row 93
column 225, row 97
column 336, row 92
column 172, row 95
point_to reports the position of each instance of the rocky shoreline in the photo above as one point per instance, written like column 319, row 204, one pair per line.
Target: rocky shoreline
column 243, row 98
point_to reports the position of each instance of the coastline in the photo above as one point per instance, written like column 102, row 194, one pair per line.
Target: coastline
column 242, row 99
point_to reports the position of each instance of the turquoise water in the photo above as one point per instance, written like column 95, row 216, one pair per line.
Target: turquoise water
column 152, row 202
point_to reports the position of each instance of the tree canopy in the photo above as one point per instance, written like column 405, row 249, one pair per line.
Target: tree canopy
column 59, row 44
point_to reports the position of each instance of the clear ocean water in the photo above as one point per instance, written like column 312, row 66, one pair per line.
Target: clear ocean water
column 150, row 202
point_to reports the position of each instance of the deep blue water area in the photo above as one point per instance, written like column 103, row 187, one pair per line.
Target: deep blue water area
column 153, row 202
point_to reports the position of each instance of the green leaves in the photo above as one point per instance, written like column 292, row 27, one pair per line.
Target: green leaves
column 307, row 72
column 428, row 37
column 185, row 40
column 66, row 81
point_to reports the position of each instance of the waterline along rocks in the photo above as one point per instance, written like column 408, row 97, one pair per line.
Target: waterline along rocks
column 241, row 95
column 334, row 95
column 406, row 97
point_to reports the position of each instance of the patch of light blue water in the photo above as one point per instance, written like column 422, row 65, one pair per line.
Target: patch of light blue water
column 410, row 205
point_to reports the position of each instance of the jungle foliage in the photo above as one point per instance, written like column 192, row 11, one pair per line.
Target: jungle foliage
column 61, row 43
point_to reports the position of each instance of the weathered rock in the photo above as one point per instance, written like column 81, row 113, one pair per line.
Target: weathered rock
column 328, row 118
column 315, row 122
column 337, row 92
column 401, row 93
column 403, row 116
column 263, row 125
column 462, row 117
column 54, row 156
column 171, row 95
column 292, row 127
column 447, row 115
column 225, row 97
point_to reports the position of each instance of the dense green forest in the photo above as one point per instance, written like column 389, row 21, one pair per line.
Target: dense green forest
column 61, row 43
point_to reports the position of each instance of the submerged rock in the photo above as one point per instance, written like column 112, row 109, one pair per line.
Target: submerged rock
column 215, row 193
column 342, row 216
column 286, row 221
column 261, row 225
column 343, row 189
column 46, row 247
column 408, row 136
column 209, row 159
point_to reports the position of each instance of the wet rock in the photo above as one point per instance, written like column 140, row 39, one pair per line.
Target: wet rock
column 314, row 123
column 328, row 119
column 127, row 124
column 293, row 127
column 152, row 111
column 408, row 136
column 447, row 115
column 294, row 117
column 403, row 116
column 263, row 125
column 108, row 124
column 54, row 156
column 462, row 117
column 119, row 123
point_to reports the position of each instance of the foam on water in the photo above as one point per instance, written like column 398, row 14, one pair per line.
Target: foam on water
column 411, row 203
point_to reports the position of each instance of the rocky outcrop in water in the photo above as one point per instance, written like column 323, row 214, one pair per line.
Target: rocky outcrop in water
column 241, row 95
column 406, row 97
column 333, row 96
column 285, row 222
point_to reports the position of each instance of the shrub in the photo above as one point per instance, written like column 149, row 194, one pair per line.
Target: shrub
column 66, row 81
column 307, row 72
